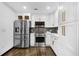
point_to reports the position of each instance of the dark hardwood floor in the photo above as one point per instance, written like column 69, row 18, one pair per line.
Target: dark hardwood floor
column 33, row 51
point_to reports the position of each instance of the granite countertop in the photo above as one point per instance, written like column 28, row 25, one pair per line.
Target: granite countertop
column 53, row 34
column 51, row 29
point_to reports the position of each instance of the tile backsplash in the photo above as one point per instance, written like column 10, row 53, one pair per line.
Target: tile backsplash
column 50, row 29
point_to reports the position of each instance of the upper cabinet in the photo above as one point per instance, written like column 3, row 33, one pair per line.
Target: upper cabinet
column 37, row 17
column 67, row 14
column 55, row 19
column 44, row 18
column 50, row 20
column 62, row 17
column 70, row 11
column 25, row 16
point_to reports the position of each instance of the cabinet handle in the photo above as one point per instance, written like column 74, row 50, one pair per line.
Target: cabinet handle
column 52, row 42
column 55, row 38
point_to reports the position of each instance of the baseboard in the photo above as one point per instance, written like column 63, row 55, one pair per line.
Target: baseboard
column 37, row 46
column 53, row 51
column 6, row 51
column 21, row 47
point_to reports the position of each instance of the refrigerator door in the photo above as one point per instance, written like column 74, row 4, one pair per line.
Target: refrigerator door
column 17, row 33
column 26, row 41
column 17, row 27
column 27, row 23
column 26, row 34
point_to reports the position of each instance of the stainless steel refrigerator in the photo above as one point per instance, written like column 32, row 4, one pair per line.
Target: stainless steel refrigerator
column 22, row 33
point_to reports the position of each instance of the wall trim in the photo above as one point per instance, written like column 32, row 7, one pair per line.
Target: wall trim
column 7, row 51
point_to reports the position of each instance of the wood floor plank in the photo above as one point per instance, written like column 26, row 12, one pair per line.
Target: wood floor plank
column 34, row 51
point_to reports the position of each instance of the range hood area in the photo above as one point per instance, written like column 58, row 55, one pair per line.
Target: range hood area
column 39, row 26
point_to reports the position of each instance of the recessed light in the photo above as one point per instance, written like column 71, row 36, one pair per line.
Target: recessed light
column 48, row 7
column 35, row 8
column 24, row 7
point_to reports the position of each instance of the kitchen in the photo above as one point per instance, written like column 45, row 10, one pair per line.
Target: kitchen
column 59, row 20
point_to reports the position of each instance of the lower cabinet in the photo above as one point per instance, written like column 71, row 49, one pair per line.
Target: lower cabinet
column 67, row 45
column 54, row 38
column 48, row 39
column 32, row 39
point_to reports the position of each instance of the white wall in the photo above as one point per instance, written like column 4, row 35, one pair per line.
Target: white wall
column 77, row 16
column 78, row 38
column 6, row 28
column 67, row 45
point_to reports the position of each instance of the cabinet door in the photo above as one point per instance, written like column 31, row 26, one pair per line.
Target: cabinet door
column 71, row 38
column 52, row 41
column 55, row 20
column 32, row 39
column 48, row 38
column 67, row 43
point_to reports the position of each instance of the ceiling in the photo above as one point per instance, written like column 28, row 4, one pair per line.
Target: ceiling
column 36, row 7
column 43, row 7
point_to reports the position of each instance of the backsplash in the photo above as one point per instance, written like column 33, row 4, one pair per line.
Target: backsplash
column 50, row 29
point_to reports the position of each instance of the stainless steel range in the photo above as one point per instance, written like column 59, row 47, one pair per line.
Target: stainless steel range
column 40, row 33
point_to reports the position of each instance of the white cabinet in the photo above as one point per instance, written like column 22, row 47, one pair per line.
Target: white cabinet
column 69, row 12
column 32, row 39
column 51, row 38
column 67, row 43
column 52, row 20
column 55, row 19
column 37, row 17
column 48, row 38
column 48, row 19
column 32, row 21
column 54, row 38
